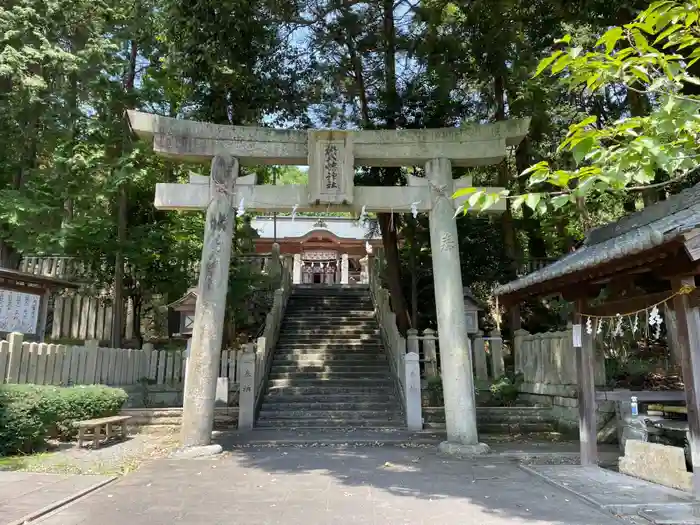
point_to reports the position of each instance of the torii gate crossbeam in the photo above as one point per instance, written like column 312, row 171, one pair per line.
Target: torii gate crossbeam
column 331, row 157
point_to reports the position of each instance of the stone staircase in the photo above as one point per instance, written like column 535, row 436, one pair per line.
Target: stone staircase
column 500, row 420
column 329, row 368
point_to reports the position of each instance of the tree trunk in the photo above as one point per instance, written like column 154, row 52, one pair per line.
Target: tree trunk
column 118, row 294
column 393, row 270
column 510, row 241
column 122, row 219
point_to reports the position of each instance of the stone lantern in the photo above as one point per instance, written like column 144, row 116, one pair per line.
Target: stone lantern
column 471, row 310
column 185, row 307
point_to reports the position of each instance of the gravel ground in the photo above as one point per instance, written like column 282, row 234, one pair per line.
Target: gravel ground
column 116, row 458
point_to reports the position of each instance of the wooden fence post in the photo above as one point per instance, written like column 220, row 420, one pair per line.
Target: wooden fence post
column 91, row 347
column 13, row 366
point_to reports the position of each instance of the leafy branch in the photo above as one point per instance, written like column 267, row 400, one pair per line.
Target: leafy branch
column 632, row 153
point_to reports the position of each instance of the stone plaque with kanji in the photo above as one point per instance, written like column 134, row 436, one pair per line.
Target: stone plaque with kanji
column 331, row 167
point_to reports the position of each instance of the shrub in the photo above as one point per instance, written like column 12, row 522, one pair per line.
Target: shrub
column 435, row 395
column 31, row 413
column 505, row 389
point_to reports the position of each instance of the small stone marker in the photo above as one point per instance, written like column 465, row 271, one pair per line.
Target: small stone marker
column 221, row 399
column 662, row 464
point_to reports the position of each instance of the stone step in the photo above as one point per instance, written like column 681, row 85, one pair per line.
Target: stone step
column 321, row 382
column 330, row 289
column 323, row 358
column 292, row 340
column 329, row 423
column 320, row 306
column 287, row 344
column 501, row 428
column 296, row 376
column 357, row 335
column 312, row 407
column 331, row 389
column 313, row 398
column 340, row 313
column 327, row 322
column 358, row 368
column 349, row 309
column 311, row 302
column 301, row 415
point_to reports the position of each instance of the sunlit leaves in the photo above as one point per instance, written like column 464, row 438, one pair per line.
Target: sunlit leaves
column 649, row 56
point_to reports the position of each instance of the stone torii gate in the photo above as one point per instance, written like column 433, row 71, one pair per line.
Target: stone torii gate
column 331, row 157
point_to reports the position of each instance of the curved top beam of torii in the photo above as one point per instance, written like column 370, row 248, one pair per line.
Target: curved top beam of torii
column 331, row 156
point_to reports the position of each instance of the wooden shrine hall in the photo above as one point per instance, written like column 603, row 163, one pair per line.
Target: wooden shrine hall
column 643, row 259
column 327, row 250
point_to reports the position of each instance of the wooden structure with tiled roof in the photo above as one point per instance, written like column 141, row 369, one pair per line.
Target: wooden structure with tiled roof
column 633, row 264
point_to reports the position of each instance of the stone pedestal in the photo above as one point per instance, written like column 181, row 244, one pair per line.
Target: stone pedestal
column 203, row 362
column 456, row 366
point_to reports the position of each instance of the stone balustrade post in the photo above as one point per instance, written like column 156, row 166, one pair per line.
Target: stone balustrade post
column 246, row 395
column 414, row 416
column 275, row 270
column 412, row 341
column 479, row 350
column 430, row 353
column 518, row 343
column 344, row 269
column 496, row 347
column 364, row 275
column 296, row 269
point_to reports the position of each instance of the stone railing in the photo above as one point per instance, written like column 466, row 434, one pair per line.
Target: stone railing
column 405, row 367
column 487, row 353
column 257, row 358
column 548, row 364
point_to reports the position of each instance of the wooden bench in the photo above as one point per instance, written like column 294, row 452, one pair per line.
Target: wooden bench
column 101, row 429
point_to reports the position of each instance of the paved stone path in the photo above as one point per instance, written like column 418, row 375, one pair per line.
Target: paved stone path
column 24, row 493
column 324, row 486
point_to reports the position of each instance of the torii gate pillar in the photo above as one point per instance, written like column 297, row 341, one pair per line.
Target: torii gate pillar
column 332, row 157
column 455, row 354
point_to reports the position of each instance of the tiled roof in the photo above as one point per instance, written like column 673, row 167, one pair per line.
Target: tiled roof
column 635, row 233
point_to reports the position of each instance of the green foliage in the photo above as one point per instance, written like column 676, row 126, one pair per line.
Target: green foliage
column 650, row 58
column 31, row 413
column 505, row 389
column 436, row 397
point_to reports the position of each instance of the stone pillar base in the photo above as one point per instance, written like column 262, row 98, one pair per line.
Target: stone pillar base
column 197, row 452
column 461, row 450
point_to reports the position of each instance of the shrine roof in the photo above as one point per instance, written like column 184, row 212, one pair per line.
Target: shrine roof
column 625, row 240
column 342, row 227
column 44, row 281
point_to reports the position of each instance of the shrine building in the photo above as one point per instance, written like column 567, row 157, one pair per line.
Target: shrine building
column 326, row 250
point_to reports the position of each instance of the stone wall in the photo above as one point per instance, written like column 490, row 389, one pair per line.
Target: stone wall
column 547, row 362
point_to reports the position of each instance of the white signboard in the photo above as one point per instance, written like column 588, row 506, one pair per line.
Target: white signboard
column 19, row 311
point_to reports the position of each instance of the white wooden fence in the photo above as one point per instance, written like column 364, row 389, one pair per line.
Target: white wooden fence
column 50, row 364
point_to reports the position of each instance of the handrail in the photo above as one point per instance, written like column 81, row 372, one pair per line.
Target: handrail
column 265, row 344
column 394, row 342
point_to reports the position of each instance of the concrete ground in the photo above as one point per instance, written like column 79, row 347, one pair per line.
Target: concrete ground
column 318, row 486
column 25, row 493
